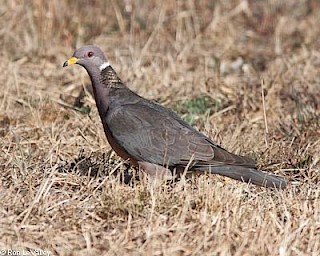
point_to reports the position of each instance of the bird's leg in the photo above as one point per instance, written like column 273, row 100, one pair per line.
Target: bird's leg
column 155, row 171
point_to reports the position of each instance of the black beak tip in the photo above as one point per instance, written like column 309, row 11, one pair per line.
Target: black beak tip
column 65, row 64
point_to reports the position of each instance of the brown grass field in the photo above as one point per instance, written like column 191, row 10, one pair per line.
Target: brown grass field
column 244, row 72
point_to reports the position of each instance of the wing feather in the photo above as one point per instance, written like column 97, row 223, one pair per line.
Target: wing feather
column 151, row 133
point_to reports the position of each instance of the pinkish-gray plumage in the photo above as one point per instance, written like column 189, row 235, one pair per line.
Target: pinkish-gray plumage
column 152, row 136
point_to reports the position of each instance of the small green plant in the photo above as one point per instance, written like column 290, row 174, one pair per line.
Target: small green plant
column 195, row 111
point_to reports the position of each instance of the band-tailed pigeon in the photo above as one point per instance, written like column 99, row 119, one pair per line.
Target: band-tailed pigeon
column 152, row 136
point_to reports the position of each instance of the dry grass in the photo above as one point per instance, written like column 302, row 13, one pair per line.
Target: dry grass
column 63, row 191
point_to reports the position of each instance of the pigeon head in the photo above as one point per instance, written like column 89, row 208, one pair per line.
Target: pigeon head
column 90, row 57
column 97, row 65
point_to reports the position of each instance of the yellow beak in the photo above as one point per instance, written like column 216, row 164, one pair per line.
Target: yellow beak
column 70, row 61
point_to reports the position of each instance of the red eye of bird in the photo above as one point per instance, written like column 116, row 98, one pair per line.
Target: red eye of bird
column 90, row 54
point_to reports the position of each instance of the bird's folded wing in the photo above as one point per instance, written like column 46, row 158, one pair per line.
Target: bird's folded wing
column 151, row 133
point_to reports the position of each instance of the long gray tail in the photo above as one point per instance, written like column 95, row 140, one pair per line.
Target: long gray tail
column 249, row 175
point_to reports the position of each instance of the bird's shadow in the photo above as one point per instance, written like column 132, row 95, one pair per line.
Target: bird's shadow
column 99, row 165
